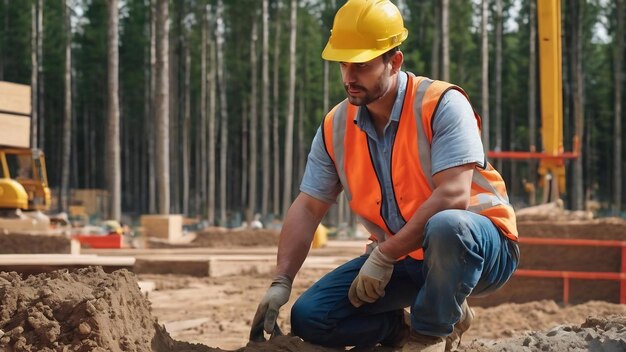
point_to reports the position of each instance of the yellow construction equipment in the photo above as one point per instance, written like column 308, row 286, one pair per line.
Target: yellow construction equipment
column 23, row 177
column 552, row 159
column 23, row 182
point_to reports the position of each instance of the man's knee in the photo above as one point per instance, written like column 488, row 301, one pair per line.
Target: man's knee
column 445, row 226
column 304, row 322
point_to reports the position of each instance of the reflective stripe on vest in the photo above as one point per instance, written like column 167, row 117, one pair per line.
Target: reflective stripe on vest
column 411, row 165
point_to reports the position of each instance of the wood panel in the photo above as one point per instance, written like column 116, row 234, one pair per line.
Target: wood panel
column 15, row 98
column 14, row 131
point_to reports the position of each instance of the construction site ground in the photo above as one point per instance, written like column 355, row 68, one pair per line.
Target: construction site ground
column 201, row 296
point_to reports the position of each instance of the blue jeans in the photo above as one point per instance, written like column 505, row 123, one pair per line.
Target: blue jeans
column 464, row 253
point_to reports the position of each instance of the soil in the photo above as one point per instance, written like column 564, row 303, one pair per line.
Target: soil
column 598, row 229
column 90, row 310
column 237, row 238
column 31, row 244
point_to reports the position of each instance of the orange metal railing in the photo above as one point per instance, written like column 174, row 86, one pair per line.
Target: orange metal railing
column 585, row 275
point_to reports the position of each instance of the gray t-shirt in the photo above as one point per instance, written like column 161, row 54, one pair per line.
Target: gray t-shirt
column 456, row 141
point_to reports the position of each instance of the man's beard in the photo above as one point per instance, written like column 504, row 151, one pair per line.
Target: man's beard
column 370, row 95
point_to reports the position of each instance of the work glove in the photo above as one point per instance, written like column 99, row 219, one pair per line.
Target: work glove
column 267, row 312
column 370, row 283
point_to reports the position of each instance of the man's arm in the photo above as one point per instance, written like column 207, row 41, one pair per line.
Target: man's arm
column 302, row 219
column 452, row 191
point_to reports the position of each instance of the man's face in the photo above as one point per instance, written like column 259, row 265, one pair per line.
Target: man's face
column 366, row 82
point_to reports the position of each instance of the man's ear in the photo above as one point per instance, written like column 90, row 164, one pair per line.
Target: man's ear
column 396, row 61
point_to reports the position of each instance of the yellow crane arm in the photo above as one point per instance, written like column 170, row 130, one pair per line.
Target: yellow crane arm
column 551, row 88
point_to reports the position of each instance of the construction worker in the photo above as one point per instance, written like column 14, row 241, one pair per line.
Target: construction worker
column 407, row 153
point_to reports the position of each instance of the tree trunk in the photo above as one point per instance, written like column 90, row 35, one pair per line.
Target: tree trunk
column 265, row 111
column 212, row 140
column 40, row 80
column 498, row 87
column 275, row 120
column 325, row 87
column 532, row 99
column 174, row 107
column 186, row 125
column 617, row 127
column 88, row 148
column 34, row 83
column 577, row 182
column 221, row 83
column 244, row 156
column 434, row 58
column 253, row 125
column 113, row 163
column 484, row 58
column 301, row 144
column 67, row 112
column 201, row 182
column 445, row 40
column 2, row 44
column 151, row 111
column 290, row 108
column 162, row 107
column 514, row 176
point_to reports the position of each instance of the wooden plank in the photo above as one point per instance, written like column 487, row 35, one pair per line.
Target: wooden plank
column 15, row 131
column 15, row 98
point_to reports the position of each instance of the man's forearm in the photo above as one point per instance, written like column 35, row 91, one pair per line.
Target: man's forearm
column 296, row 236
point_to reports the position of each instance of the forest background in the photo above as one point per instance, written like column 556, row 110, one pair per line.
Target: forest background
column 208, row 107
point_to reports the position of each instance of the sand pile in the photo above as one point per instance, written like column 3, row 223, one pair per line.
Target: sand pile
column 82, row 310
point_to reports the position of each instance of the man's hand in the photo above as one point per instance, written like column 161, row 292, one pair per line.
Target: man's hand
column 370, row 284
column 267, row 312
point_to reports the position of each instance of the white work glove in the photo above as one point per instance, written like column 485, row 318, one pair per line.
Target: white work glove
column 370, row 283
column 267, row 312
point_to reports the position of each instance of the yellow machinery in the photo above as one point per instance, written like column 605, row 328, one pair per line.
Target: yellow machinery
column 552, row 159
column 23, row 180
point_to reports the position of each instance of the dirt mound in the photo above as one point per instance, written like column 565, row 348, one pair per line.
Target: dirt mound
column 82, row 310
column 554, row 211
column 511, row 319
column 226, row 238
column 596, row 334
column 596, row 229
column 14, row 243
column 237, row 238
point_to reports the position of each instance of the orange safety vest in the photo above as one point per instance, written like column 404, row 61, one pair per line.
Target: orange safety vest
column 347, row 146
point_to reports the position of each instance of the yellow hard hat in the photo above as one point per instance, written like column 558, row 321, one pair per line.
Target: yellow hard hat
column 363, row 30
